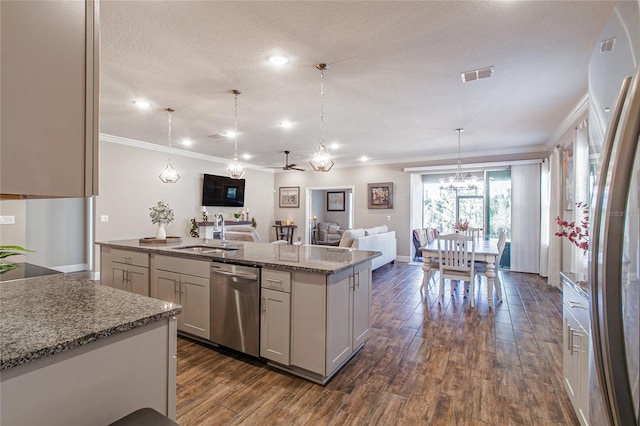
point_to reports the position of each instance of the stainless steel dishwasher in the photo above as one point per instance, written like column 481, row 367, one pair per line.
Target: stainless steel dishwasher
column 235, row 307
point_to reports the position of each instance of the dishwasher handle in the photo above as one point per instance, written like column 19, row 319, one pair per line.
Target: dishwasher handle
column 234, row 274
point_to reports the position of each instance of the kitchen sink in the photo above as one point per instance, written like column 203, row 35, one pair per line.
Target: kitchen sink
column 205, row 249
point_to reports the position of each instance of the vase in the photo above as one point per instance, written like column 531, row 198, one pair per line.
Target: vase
column 161, row 234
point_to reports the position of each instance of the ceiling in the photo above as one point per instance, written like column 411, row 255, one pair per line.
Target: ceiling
column 393, row 91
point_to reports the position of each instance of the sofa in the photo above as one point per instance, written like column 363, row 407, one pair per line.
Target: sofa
column 328, row 232
column 378, row 238
column 241, row 233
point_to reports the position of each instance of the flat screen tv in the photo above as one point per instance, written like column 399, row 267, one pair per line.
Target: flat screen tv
column 222, row 191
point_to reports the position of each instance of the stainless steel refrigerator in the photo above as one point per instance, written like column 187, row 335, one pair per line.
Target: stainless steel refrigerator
column 614, row 246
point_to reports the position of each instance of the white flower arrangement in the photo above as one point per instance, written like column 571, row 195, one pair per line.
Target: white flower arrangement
column 161, row 213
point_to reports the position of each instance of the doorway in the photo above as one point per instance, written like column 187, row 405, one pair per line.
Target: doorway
column 319, row 210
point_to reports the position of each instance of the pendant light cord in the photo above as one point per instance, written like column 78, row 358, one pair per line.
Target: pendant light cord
column 170, row 111
column 322, row 107
column 235, row 147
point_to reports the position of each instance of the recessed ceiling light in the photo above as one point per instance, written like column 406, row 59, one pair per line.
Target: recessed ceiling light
column 286, row 124
column 142, row 104
column 278, row 60
column 246, row 156
column 363, row 159
column 334, row 145
column 186, row 142
column 230, row 134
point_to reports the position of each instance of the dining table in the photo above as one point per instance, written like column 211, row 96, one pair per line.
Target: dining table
column 485, row 251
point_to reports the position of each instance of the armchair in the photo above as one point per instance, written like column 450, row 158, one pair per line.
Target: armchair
column 328, row 232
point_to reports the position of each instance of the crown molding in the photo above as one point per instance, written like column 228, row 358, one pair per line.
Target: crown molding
column 569, row 121
column 104, row 137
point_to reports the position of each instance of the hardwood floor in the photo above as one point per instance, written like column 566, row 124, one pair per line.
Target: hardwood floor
column 423, row 364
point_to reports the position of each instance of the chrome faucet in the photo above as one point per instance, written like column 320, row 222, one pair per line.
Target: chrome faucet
column 220, row 219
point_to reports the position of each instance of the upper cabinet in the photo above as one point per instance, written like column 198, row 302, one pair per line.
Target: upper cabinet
column 49, row 128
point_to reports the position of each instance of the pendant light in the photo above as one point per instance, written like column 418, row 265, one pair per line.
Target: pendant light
column 169, row 174
column 321, row 160
column 235, row 168
column 459, row 180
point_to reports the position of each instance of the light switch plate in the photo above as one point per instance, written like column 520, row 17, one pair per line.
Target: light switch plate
column 388, row 218
column 104, row 218
column 7, row 220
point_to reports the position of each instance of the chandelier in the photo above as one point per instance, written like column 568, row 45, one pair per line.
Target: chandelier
column 169, row 174
column 235, row 168
column 321, row 160
column 459, row 180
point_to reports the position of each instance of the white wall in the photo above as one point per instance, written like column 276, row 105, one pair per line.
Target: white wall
column 358, row 177
column 129, row 186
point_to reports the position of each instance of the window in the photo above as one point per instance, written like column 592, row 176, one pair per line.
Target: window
column 487, row 207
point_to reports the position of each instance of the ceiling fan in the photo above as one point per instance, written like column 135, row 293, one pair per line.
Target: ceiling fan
column 287, row 166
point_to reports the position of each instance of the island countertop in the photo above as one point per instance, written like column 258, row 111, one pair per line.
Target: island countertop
column 47, row 315
column 309, row 258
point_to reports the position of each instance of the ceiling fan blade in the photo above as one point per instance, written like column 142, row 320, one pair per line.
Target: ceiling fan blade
column 297, row 168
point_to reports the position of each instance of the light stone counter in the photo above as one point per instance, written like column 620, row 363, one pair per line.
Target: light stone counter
column 308, row 258
column 47, row 315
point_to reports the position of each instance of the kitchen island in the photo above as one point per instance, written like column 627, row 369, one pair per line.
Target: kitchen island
column 312, row 307
column 76, row 352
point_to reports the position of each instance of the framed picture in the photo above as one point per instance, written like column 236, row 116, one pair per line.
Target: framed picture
column 380, row 195
column 289, row 196
column 335, row 201
column 567, row 177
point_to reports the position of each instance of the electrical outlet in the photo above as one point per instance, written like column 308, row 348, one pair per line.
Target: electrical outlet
column 104, row 218
column 7, row 220
column 388, row 218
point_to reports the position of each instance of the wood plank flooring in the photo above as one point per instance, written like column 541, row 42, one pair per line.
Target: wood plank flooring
column 424, row 363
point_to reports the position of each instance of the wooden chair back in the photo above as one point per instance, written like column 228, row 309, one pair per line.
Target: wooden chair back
column 473, row 232
column 457, row 256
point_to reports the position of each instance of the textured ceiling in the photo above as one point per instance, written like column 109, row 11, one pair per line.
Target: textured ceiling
column 393, row 90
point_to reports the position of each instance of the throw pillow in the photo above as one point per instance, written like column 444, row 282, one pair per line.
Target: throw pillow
column 333, row 229
column 349, row 235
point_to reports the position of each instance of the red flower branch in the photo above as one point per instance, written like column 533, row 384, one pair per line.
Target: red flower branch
column 577, row 234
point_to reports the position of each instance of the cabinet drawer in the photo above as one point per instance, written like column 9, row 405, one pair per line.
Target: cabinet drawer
column 136, row 258
column 276, row 280
column 577, row 305
column 197, row 268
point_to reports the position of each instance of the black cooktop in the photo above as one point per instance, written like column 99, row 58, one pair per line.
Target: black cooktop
column 26, row 270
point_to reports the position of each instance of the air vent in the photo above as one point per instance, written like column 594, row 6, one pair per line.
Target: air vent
column 607, row 45
column 472, row 75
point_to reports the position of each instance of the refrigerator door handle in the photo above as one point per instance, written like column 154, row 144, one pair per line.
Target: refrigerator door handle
column 610, row 347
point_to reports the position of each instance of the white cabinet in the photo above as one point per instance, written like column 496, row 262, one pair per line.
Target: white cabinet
column 49, row 101
column 275, row 318
column 330, row 319
column 576, row 351
column 187, row 283
column 126, row 270
column 361, row 303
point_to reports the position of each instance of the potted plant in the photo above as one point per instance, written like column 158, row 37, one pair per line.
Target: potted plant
column 161, row 214
column 237, row 216
column 6, row 251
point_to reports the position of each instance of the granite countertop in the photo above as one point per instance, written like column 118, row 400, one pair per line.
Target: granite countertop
column 578, row 281
column 309, row 258
column 46, row 315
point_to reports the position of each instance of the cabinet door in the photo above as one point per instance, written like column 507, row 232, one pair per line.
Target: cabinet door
column 308, row 321
column 339, row 319
column 138, row 280
column 275, row 325
column 583, row 341
column 166, row 286
column 195, row 301
column 361, row 303
column 571, row 359
column 49, row 54
column 118, row 274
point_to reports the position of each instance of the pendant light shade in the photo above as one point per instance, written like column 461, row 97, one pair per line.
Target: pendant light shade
column 459, row 180
column 235, row 167
column 169, row 174
column 321, row 160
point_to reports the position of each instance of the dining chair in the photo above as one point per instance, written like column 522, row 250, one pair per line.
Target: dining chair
column 473, row 232
column 457, row 257
column 481, row 267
